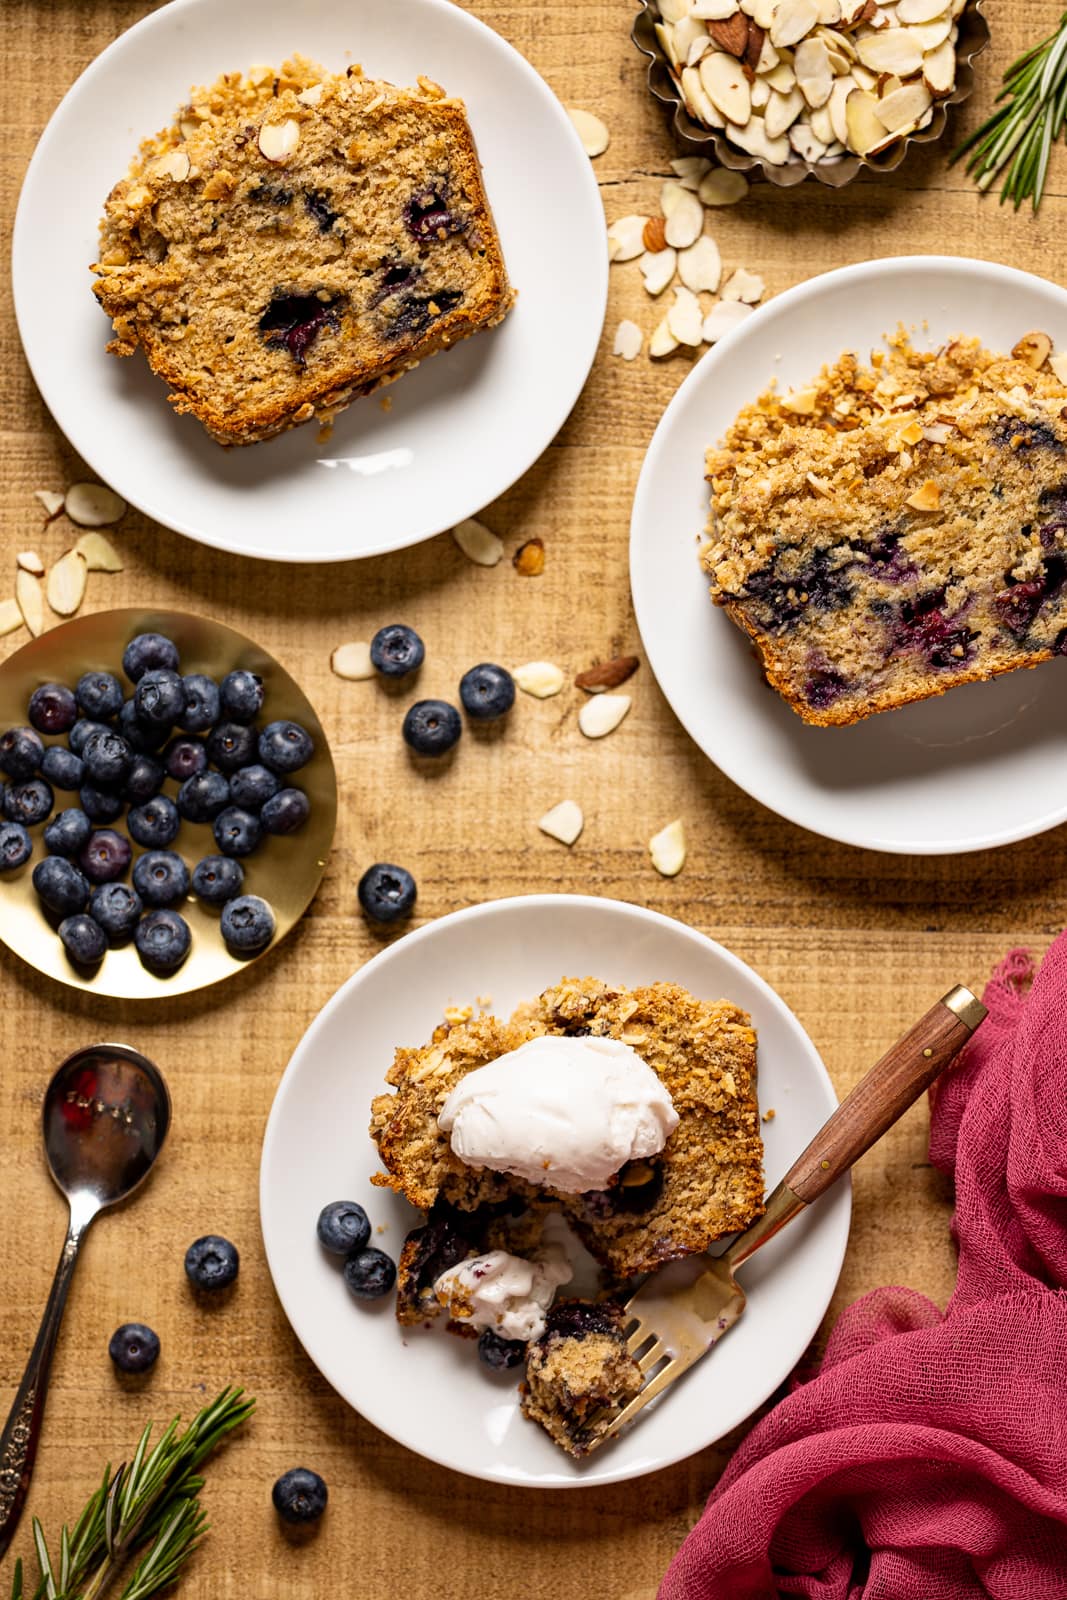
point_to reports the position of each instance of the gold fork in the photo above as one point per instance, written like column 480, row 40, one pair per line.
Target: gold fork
column 674, row 1325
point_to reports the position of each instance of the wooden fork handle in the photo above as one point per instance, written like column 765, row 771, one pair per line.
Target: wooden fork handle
column 888, row 1089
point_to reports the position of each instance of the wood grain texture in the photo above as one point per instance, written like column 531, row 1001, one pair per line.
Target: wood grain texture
column 858, row 944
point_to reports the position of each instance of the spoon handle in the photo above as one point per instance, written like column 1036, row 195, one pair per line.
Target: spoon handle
column 22, row 1431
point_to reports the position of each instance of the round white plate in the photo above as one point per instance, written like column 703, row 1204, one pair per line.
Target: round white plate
column 461, row 428
column 426, row 1389
column 977, row 767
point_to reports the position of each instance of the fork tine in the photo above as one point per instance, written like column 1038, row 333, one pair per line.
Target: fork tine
column 640, row 1337
column 653, row 1357
column 651, row 1389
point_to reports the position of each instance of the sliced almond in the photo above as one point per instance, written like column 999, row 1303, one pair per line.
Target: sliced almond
column 714, row 10
column 768, row 57
column 352, row 661
column 625, row 240
column 667, row 849
column 866, row 131
column 927, row 498
column 478, row 543
column 591, row 131
column 691, row 170
column 939, row 69
column 685, row 223
column 746, row 286
column 662, row 342
column 691, row 39
column 10, row 617
column 278, row 140
column 628, row 340
column 173, row 164
column 761, row 94
column 541, row 679
column 674, row 10
column 727, row 88
column 800, row 402
column 665, row 34
column 564, row 822
column 937, row 432
column 98, row 553
column 829, row 13
column 791, row 20
column 724, row 317
column 782, row 77
column 761, row 11
column 932, row 35
column 311, row 95
column 700, row 267
column 685, row 319
column 806, row 142
column 1058, row 364
column 30, row 598
column 607, row 674
column 865, row 80
column 697, row 101
column 815, row 78
column 50, row 500
column 903, row 107
column 93, row 505
column 721, row 187
column 755, row 139
column 66, row 583
column 697, row 51
column 658, row 269
column 842, row 88
column 893, row 50
column 30, row 561
column 1033, row 348
column 602, row 714
column 920, row 10
column 782, row 111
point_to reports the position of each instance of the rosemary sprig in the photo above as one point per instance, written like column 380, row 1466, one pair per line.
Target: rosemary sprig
column 148, row 1508
column 1019, row 135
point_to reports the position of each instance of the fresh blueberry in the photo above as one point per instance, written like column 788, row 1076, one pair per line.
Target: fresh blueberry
column 231, row 745
column 285, row 746
column 487, row 691
column 133, row 1347
column 67, row 832
column 369, row 1273
column 21, row 752
column 253, row 786
column 294, row 321
column 144, row 779
column 211, row 1262
column 106, row 856
column 217, row 879
column 16, row 846
column 162, row 940
column 201, row 703
column 184, row 758
column 299, row 1496
column 60, row 886
column 386, row 893
column 117, row 908
column 237, row 832
column 200, row 799
column 241, row 694
column 62, row 768
column 52, row 708
column 161, row 878
column 343, row 1226
column 432, row 727
column 159, row 699
column 100, row 805
column 99, row 694
column 149, row 652
column 82, row 731
column 29, row 802
column 287, row 811
column 247, row 924
column 107, row 757
column 396, row 650
column 500, row 1354
column 83, row 939
column 155, row 824
column 140, row 735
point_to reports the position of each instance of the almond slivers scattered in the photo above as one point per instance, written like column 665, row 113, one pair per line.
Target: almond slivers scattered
column 99, row 553
column 478, row 543
column 542, row 679
column 602, row 714
column 667, row 849
column 66, row 583
column 93, row 505
column 564, row 822
column 352, row 661
column 30, row 561
column 30, row 599
column 10, row 617
column 591, row 131
column 628, row 340
column 50, row 500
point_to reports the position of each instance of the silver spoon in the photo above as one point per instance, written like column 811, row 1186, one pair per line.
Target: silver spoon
column 106, row 1115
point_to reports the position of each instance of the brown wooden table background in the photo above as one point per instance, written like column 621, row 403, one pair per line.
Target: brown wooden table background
column 857, row 943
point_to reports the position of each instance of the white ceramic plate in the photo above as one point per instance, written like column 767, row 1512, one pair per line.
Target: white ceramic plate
column 977, row 767
column 425, row 1388
column 462, row 427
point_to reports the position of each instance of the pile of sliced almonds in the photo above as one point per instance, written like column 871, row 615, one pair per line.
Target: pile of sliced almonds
column 811, row 80
column 88, row 505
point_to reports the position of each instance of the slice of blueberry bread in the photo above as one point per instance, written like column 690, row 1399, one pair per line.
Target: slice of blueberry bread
column 297, row 239
column 579, row 1373
column 898, row 527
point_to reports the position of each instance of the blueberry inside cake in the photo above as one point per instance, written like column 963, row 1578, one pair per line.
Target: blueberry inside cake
column 579, row 1372
column 297, row 239
column 898, row 527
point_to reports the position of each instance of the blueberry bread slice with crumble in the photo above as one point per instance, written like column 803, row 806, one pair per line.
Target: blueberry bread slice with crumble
column 898, row 527
column 579, row 1373
column 295, row 240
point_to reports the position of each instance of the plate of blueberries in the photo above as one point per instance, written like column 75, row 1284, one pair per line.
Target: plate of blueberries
column 168, row 802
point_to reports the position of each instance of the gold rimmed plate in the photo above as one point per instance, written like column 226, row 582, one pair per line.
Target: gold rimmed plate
column 285, row 871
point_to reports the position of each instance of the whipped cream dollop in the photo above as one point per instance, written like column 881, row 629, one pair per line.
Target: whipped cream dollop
column 504, row 1292
column 560, row 1111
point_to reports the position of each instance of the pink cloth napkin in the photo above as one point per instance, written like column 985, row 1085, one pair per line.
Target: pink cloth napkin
column 928, row 1458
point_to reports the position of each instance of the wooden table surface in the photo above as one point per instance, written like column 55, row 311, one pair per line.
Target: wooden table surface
column 857, row 943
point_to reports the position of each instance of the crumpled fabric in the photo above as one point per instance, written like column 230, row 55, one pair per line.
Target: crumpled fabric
column 927, row 1460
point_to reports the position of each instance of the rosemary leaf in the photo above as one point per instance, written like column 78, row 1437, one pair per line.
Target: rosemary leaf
column 1014, row 143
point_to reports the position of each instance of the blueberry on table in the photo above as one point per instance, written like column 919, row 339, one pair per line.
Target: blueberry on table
column 343, row 1227
column 62, row 768
column 162, row 940
column 432, row 727
column 500, row 1354
column 285, row 746
column 144, row 779
column 200, row 799
column 285, row 812
column 251, row 787
column 61, row 886
column 396, row 650
column 30, row 802
column 83, row 939
column 156, row 823
column 211, row 1262
column 100, row 805
column 149, row 652
column 217, row 879
column 143, row 736
column 241, row 695
column 53, row 708
column 202, row 705
column 117, row 908
column 237, row 832
column 386, row 893
column 247, row 924
column 82, row 730
column 184, row 758
column 159, row 699
column 299, row 1496
column 107, row 757
column 133, row 1347
column 21, row 753
column 369, row 1273
column 67, row 832
column 105, row 856
column 161, row 878
column 16, row 846
column 487, row 691
column 231, row 745
column 99, row 694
